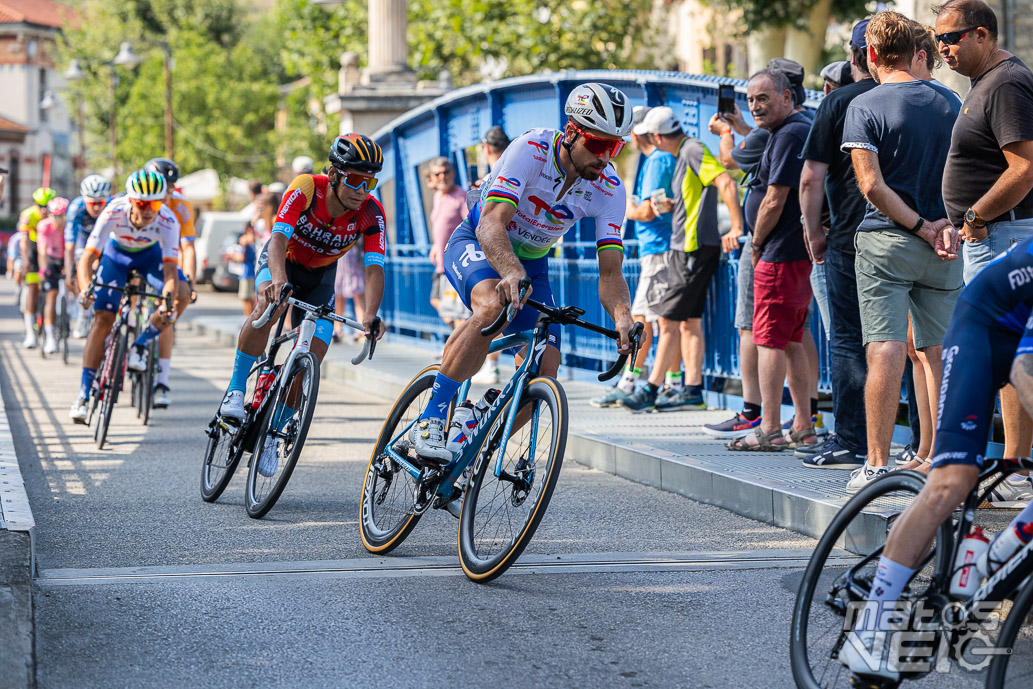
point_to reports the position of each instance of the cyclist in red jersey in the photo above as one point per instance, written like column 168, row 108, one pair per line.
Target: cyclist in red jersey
column 320, row 218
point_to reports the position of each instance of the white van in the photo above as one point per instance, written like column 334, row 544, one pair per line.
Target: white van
column 215, row 229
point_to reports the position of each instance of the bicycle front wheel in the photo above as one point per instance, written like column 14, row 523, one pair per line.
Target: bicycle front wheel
column 147, row 381
column 501, row 513
column 63, row 326
column 840, row 574
column 1014, row 668
column 386, row 515
column 284, row 427
column 113, row 371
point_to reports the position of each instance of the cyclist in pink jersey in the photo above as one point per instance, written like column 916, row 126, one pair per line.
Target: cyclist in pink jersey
column 50, row 239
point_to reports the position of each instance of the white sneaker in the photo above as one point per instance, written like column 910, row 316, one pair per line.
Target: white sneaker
column 30, row 341
column 233, row 405
column 137, row 359
column 161, row 398
column 862, row 476
column 50, row 346
column 428, row 439
column 872, row 661
column 488, row 375
column 79, row 332
column 1013, row 495
column 269, row 461
column 79, row 411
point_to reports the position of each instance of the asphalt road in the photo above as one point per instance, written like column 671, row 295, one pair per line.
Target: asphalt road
column 142, row 584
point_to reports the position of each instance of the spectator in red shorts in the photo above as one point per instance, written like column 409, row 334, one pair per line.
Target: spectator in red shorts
column 782, row 268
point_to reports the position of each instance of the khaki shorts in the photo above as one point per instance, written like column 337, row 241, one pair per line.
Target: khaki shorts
column 899, row 273
column 245, row 289
column 652, row 285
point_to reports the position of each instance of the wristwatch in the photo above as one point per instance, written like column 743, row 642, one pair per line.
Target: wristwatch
column 973, row 219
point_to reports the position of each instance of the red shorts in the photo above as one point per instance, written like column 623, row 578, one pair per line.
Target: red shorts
column 781, row 295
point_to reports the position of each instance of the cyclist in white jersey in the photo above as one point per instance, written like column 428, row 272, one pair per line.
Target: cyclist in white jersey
column 133, row 231
column 545, row 182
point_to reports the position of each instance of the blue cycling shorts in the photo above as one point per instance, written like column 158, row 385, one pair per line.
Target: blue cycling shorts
column 115, row 264
column 466, row 265
column 977, row 359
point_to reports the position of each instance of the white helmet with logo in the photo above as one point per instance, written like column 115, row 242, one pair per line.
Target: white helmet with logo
column 601, row 107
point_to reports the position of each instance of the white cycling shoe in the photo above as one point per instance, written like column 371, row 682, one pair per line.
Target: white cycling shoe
column 79, row 411
column 232, row 406
column 30, row 341
column 269, row 461
column 137, row 359
column 50, row 346
column 865, row 654
column 427, row 438
column 161, row 398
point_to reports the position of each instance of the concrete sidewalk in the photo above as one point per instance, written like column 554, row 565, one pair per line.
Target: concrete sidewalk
column 668, row 451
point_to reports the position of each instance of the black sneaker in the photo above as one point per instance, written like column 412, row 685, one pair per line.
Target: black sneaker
column 906, row 455
column 805, row 452
column 640, row 401
column 832, row 456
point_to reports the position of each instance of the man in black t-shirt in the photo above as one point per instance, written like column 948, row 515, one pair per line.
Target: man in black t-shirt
column 827, row 172
column 988, row 178
column 782, row 290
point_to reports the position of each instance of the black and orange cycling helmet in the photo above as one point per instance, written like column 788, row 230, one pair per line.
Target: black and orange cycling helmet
column 356, row 151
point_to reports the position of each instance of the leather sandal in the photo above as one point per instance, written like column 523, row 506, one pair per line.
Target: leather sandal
column 795, row 439
column 764, row 442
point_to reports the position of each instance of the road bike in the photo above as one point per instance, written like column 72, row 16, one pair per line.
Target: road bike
column 278, row 406
column 990, row 631
column 108, row 383
column 143, row 381
column 62, row 324
column 505, row 472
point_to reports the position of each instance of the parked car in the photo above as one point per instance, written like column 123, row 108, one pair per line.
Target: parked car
column 217, row 231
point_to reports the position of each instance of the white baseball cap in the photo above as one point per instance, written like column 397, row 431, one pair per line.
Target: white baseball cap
column 660, row 121
column 638, row 115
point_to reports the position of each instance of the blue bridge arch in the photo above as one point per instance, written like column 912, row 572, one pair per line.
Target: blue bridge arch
column 450, row 125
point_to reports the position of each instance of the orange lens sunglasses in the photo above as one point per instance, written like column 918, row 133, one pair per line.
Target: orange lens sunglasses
column 153, row 205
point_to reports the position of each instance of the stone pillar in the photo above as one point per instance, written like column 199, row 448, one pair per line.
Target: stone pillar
column 388, row 46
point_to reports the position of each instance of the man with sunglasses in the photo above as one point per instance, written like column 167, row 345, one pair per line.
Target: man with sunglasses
column 134, row 231
column 545, row 182
column 83, row 211
column 988, row 179
column 320, row 218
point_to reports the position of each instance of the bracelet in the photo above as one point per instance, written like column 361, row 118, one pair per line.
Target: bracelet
column 729, row 133
column 756, row 247
column 918, row 225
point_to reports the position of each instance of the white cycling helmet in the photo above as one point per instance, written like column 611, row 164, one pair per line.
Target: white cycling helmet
column 95, row 187
column 601, row 107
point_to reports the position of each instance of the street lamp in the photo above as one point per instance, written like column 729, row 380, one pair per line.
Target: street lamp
column 127, row 58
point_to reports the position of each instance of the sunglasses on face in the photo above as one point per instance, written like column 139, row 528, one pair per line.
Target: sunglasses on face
column 440, row 173
column 355, row 180
column 140, row 204
column 96, row 203
column 953, row 37
column 597, row 146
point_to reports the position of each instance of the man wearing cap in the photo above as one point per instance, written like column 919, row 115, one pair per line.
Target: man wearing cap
column 695, row 252
column 653, row 233
column 837, row 75
column 828, row 172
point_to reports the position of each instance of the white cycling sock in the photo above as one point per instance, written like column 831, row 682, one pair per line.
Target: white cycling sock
column 30, row 323
column 627, row 381
column 163, row 372
column 887, row 584
column 48, row 329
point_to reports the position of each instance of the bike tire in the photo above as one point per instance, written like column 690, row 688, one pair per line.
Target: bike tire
column 114, row 384
column 262, row 492
column 221, row 457
column 864, row 538
column 63, row 327
column 484, row 551
column 379, row 485
column 1017, row 637
column 147, row 393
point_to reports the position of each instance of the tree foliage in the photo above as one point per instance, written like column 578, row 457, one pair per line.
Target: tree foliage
column 758, row 14
column 224, row 92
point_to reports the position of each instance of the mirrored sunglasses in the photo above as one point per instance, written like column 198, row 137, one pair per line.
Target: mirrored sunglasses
column 954, row 37
column 141, row 204
column 355, row 180
column 598, row 145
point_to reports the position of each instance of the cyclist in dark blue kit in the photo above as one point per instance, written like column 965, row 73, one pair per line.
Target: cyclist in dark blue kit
column 989, row 343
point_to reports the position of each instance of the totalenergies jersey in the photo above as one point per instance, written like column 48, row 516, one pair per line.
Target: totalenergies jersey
column 113, row 225
column 184, row 213
column 528, row 176
column 314, row 239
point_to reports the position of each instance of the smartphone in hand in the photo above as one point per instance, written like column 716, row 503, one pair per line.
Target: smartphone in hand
column 725, row 99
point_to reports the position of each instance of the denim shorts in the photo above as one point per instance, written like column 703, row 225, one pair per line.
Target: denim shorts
column 1000, row 238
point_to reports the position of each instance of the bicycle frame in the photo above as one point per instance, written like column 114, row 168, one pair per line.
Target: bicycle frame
column 536, row 341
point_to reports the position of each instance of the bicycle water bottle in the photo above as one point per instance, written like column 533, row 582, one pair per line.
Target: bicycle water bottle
column 485, row 402
column 265, row 380
column 463, row 422
column 1004, row 545
column 966, row 579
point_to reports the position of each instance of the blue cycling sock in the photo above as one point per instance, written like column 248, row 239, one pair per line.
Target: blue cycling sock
column 444, row 390
column 284, row 414
column 146, row 336
column 88, row 374
column 241, row 368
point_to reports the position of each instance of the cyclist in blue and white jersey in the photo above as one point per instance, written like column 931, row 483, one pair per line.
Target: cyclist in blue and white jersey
column 135, row 231
column 989, row 343
column 545, row 182
column 83, row 212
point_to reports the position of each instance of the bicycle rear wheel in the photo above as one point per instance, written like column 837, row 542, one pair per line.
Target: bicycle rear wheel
column 147, row 382
column 285, row 424
column 114, row 370
column 834, row 579
column 501, row 513
column 386, row 516
column 221, row 457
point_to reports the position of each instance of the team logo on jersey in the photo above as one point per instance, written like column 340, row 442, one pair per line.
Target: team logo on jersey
column 553, row 214
column 610, row 182
column 615, row 230
column 511, row 182
column 542, row 147
column 969, row 423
